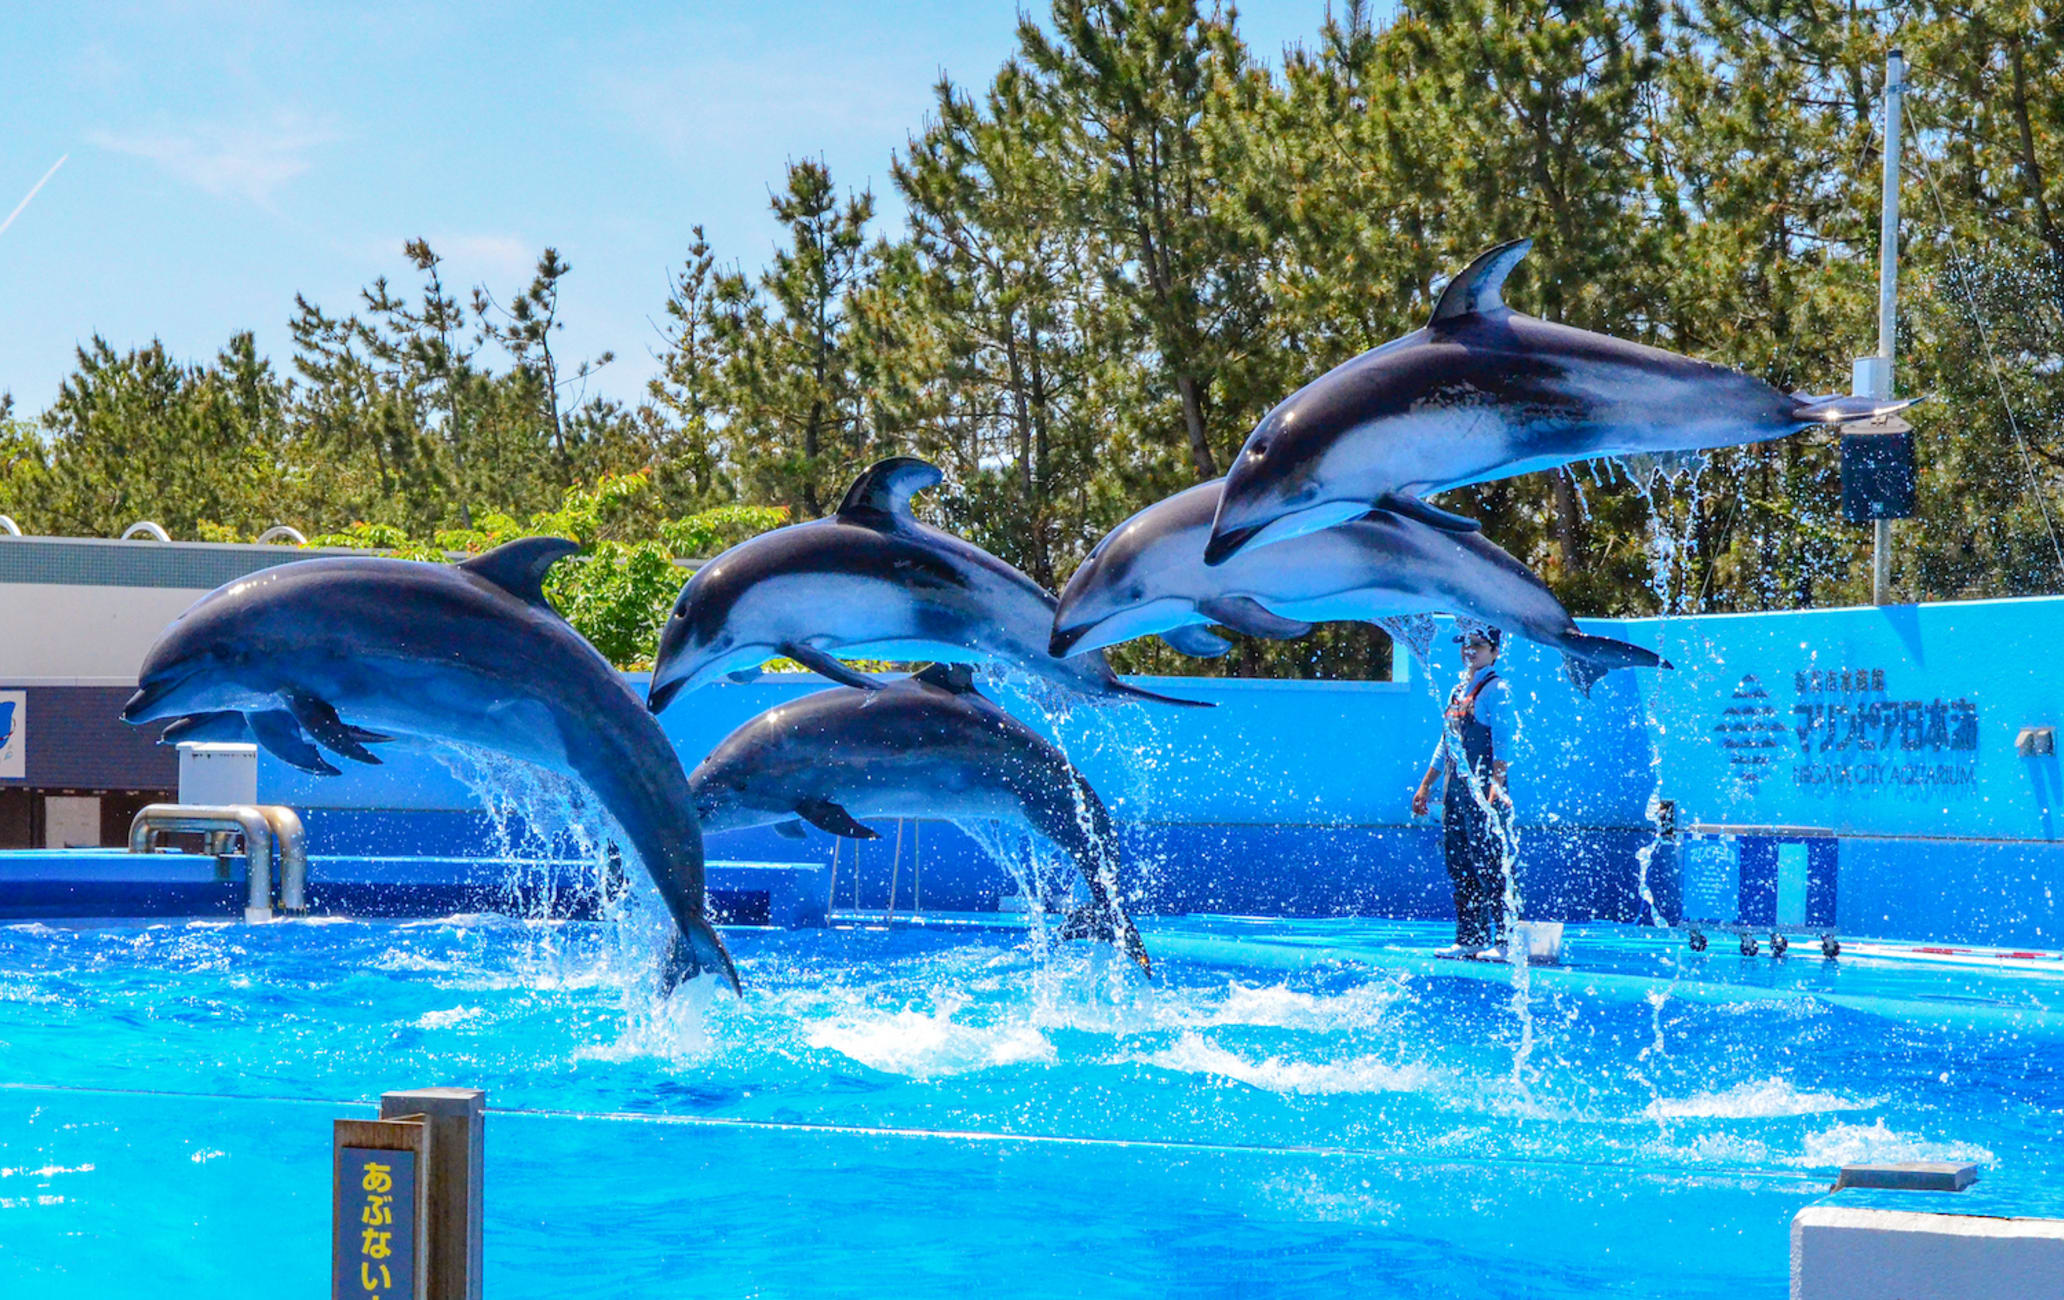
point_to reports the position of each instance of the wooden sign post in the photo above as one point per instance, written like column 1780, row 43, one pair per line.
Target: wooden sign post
column 457, row 1118
column 379, row 1212
column 406, row 1221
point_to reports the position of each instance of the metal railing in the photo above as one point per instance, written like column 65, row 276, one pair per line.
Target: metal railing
column 268, row 830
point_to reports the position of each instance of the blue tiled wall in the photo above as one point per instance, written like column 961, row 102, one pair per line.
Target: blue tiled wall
column 1889, row 733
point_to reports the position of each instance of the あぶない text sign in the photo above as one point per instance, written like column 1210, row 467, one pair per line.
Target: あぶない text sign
column 379, row 1238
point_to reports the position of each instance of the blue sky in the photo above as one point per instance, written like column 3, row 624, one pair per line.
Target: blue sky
column 221, row 158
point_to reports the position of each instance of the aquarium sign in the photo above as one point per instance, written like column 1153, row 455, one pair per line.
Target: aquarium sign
column 375, row 1248
column 14, row 745
column 1850, row 735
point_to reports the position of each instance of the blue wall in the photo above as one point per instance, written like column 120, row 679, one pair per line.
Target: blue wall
column 1885, row 736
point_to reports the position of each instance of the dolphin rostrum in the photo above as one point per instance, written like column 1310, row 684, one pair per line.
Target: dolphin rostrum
column 867, row 582
column 924, row 746
column 1481, row 393
column 470, row 653
column 1149, row 578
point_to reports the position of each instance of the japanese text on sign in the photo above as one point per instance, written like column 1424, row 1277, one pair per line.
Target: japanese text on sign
column 375, row 1247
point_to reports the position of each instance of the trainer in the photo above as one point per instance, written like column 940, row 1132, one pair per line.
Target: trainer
column 1475, row 808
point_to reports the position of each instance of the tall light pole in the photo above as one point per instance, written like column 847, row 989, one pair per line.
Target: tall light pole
column 1872, row 376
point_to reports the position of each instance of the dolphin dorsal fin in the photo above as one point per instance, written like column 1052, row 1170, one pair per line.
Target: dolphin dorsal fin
column 1481, row 286
column 958, row 678
column 519, row 567
column 886, row 488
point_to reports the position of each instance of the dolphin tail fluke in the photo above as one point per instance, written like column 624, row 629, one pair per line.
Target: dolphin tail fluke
column 695, row 951
column 1108, row 923
column 1411, row 507
column 1587, row 658
column 1840, row 408
column 1126, row 689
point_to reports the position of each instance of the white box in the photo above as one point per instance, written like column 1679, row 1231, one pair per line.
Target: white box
column 218, row 774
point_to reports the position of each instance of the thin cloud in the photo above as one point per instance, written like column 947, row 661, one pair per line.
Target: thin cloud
column 241, row 161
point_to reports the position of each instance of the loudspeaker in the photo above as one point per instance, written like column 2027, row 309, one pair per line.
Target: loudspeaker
column 1878, row 472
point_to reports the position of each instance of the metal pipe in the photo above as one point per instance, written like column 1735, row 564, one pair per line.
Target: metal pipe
column 146, row 528
column 154, row 819
column 1888, row 220
column 280, row 532
column 293, row 856
column 8, row 526
column 1888, row 302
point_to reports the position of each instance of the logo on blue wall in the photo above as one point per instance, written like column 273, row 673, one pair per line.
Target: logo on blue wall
column 6, row 722
column 1750, row 730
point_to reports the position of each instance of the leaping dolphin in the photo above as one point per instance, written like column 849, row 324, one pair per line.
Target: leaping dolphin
column 470, row 653
column 867, row 582
column 1481, row 393
column 924, row 746
column 1148, row 577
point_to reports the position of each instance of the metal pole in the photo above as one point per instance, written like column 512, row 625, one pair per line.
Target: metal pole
column 1888, row 306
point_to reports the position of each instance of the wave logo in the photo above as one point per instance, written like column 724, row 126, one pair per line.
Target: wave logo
column 1750, row 730
column 6, row 722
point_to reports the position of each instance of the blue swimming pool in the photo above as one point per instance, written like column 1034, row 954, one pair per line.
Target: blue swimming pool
column 1294, row 1108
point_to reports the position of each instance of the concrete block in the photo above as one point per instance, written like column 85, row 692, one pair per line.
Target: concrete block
column 1851, row 1254
column 1910, row 1176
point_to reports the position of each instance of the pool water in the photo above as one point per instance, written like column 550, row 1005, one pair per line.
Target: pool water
column 1291, row 1108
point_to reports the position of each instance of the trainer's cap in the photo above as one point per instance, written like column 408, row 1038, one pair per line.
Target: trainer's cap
column 1479, row 632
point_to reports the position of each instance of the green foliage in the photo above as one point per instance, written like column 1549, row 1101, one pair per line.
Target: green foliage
column 617, row 593
column 1135, row 236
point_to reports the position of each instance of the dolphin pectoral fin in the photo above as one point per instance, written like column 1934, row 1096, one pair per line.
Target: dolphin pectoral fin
column 1840, row 408
column 283, row 739
column 1244, row 614
column 885, row 489
column 519, row 567
column 200, row 727
column 828, row 816
column 695, row 951
column 318, row 718
column 1129, row 691
column 1411, row 507
column 791, row 829
column 1481, row 285
column 1199, row 642
column 817, row 661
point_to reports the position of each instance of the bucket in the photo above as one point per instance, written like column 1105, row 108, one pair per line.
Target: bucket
column 1540, row 940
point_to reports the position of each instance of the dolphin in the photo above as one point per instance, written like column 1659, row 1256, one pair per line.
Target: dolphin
column 470, row 653
column 867, row 582
column 1148, row 577
column 1481, row 393
column 924, row 746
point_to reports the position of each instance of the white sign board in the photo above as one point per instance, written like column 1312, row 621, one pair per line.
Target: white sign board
column 14, row 710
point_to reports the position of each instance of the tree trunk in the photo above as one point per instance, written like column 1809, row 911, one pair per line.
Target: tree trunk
column 1193, row 420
